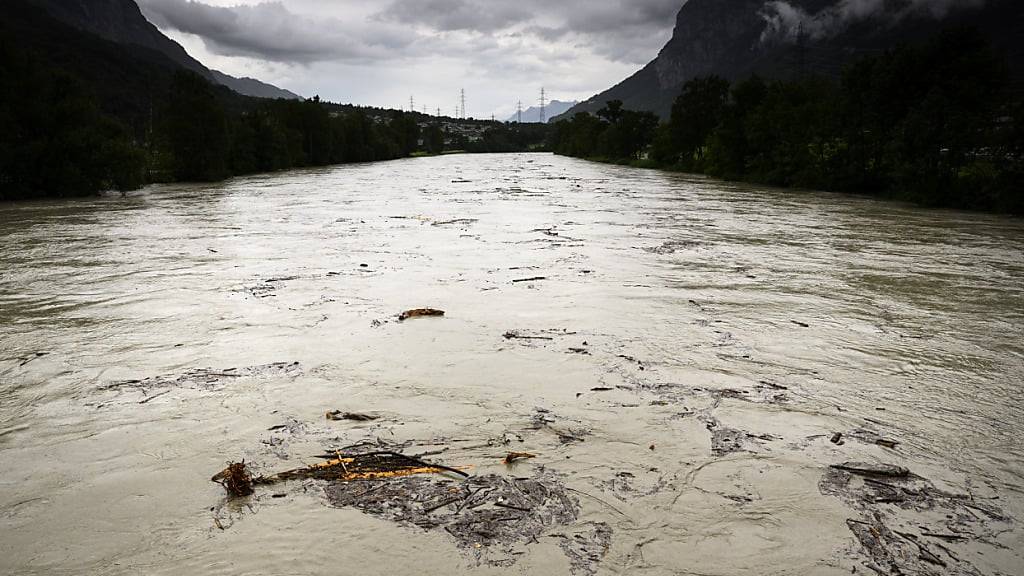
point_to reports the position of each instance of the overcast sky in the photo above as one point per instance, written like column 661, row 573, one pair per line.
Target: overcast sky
column 382, row 52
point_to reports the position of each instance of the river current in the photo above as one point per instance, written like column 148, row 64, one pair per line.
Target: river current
column 678, row 352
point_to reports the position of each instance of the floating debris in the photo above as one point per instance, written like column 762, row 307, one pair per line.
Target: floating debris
column 514, row 335
column 867, row 469
column 725, row 440
column 533, row 279
column 586, row 548
column 489, row 515
column 26, row 359
column 516, row 456
column 207, row 378
column 671, row 247
column 456, row 221
column 543, row 419
column 267, row 288
column 353, row 416
column 235, row 479
column 420, row 313
column 900, row 511
column 342, row 468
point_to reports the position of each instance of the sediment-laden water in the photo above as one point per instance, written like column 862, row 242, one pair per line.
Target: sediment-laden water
column 679, row 354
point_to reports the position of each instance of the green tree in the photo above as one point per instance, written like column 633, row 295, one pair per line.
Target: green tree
column 433, row 139
column 729, row 150
column 195, row 126
column 695, row 114
column 54, row 140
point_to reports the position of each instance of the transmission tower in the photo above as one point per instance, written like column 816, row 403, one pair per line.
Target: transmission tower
column 519, row 112
column 543, row 106
column 438, row 111
column 462, row 103
column 412, row 105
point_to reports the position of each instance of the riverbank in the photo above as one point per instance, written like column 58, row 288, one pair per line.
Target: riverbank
column 888, row 195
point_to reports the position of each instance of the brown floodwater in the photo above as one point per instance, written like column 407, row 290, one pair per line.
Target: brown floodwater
column 730, row 331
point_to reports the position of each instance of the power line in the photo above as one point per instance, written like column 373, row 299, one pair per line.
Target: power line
column 543, row 105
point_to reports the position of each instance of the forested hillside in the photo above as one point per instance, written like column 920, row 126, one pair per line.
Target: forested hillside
column 787, row 39
column 937, row 123
column 80, row 114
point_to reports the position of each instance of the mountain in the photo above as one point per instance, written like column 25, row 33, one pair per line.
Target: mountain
column 122, row 22
column 532, row 114
column 777, row 39
column 252, row 87
column 127, row 84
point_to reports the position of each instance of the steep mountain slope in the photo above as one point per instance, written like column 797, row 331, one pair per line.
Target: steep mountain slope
column 130, row 85
column 253, row 87
column 122, row 22
column 776, row 39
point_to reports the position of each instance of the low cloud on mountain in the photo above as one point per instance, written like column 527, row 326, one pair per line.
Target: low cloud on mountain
column 786, row 21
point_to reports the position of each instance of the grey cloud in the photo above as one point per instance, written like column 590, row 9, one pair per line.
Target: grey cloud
column 785, row 21
column 547, row 33
column 622, row 30
column 450, row 15
column 270, row 31
column 499, row 50
column 579, row 16
column 605, row 16
column 628, row 31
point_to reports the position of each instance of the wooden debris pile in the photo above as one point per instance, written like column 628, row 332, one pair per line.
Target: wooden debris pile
column 338, row 468
column 907, row 524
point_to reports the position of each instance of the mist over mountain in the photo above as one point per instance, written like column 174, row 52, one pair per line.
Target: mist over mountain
column 783, row 39
column 554, row 108
column 122, row 22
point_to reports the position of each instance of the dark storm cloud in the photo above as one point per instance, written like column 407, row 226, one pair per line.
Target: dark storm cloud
column 623, row 30
column 270, row 31
column 450, row 15
column 314, row 30
column 620, row 30
column 586, row 17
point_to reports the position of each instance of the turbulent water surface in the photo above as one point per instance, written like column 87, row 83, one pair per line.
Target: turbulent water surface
column 678, row 353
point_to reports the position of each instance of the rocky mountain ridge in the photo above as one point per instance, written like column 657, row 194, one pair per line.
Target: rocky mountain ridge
column 777, row 39
column 122, row 21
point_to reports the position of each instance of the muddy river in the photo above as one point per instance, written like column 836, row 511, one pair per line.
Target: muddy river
column 712, row 378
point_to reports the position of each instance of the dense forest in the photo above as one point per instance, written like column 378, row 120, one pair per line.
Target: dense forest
column 938, row 124
column 79, row 115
